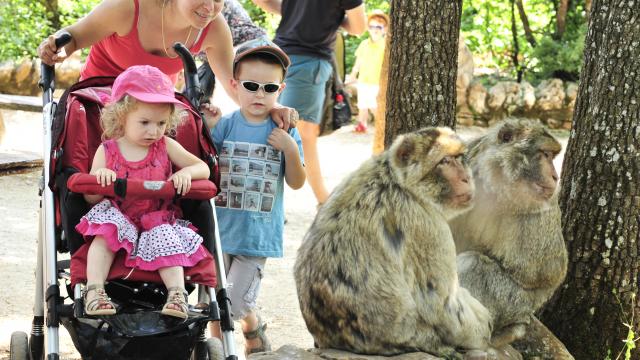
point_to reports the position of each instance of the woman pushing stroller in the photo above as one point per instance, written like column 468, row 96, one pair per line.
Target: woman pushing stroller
column 124, row 33
column 141, row 111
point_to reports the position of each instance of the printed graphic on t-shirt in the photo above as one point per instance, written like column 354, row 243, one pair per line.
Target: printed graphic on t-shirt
column 249, row 176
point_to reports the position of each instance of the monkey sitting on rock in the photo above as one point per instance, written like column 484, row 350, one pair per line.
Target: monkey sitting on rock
column 376, row 272
column 512, row 256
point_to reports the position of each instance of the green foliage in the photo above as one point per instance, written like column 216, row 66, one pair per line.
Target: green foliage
column 486, row 26
column 559, row 58
column 25, row 23
column 630, row 341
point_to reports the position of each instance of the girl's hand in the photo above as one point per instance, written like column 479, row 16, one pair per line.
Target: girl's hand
column 282, row 141
column 104, row 176
column 285, row 117
column 181, row 181
column 211, row 114
column 47, row 51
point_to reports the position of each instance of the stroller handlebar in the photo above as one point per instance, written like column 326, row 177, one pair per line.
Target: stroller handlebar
column 47, row 72
column 139, row 189
column 192, row 83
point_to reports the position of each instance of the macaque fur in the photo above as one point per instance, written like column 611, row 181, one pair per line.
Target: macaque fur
column 512, row 255
column 376, row 272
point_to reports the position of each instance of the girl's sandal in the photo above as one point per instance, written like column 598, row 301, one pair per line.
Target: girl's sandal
column 93, row 305
column 178, row 297
column 258, row 333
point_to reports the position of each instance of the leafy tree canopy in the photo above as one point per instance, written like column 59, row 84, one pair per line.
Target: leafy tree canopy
column 487, row 26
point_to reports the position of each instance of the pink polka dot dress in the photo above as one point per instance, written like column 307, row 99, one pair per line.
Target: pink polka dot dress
column 149, row 230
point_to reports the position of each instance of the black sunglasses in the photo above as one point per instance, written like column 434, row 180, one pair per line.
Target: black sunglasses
column 252, row 86
column 376, row 27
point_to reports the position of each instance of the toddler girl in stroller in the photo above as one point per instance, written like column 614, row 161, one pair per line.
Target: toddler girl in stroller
column 142, row 109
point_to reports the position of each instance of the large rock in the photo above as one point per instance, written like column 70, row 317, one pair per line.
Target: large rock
column 290, row 352
column 541, row 344
column 550, row 95
column 572, row 94
column 477, row 97
column 465, row 72
column 21, row 77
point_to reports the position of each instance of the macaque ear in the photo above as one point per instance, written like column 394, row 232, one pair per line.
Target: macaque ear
column 403, row 150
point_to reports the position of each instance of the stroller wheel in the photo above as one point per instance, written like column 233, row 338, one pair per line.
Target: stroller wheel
column 19, row 348
column 215, row 349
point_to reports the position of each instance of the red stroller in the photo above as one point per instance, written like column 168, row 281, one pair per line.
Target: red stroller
column 138, row 331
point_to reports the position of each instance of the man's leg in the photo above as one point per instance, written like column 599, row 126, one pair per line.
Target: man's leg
column 309, row 134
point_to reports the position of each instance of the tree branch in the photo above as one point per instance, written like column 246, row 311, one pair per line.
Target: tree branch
column 528, row 34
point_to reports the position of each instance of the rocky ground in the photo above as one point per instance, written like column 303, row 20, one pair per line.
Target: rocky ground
column 340, row 153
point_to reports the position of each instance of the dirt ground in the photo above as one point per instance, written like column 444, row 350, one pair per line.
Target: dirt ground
column 341, row 153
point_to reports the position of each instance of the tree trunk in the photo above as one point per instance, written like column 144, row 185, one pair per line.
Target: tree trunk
column 516, row 46
column 600, row 195
column 381, row 100
column 53, row 13
column 561, row 19
column 423, row 62
column 528, row 34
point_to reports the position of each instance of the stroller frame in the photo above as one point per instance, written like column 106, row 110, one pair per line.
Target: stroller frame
column 49, row 270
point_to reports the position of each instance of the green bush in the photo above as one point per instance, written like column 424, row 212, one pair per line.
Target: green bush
column 25, row 23
column 561, row 59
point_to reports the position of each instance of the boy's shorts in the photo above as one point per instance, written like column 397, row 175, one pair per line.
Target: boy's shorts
column 244, row 274
column 305, row 86
column 367, row 95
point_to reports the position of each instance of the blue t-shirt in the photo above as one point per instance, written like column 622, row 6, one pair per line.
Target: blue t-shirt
column 249, row 207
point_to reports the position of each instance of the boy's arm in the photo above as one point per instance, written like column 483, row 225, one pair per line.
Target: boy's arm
column 355, row 22
column 291, row 147
column 294, row 172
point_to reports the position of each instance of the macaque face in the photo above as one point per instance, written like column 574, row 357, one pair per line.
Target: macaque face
column 457, row 187
column 522, row 166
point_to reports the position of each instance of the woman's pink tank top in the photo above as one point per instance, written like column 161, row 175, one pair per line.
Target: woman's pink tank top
column 112, row 55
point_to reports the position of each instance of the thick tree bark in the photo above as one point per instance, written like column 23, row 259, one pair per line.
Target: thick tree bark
column 528, row 34
column 381, row 100
column 561, row 19
column 423, row 62
column 53, row 13
column 600, row 195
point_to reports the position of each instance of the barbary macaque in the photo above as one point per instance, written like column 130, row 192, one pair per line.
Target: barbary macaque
column 512, row 256
column 376, row 272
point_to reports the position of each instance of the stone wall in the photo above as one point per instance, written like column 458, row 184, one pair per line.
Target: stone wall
column 21, row 77
column 551, row 101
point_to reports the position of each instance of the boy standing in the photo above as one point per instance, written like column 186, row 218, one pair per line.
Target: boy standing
column 261, row 157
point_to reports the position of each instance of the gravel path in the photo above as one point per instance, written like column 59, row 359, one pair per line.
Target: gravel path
column 340, row 154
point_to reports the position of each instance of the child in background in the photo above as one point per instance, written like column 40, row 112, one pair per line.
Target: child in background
column 251, row 226
column 369, row 56
column 141, row 111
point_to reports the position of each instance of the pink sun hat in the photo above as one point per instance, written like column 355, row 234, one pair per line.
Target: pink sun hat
column 147, row 84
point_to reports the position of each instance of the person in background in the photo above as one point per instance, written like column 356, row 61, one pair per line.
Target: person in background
column 368, row 64
column 307, row 33
column 124, row 33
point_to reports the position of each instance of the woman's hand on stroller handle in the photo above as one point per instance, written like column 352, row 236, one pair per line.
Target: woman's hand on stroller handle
column 52, row 49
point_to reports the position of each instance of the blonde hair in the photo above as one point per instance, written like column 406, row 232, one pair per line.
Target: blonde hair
column 114, row 115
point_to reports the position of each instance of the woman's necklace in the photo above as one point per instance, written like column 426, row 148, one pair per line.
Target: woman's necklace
column 164, row 46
